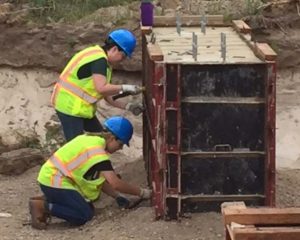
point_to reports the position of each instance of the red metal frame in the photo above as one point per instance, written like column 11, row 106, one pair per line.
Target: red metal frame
column 155, row 127
column 270, row 134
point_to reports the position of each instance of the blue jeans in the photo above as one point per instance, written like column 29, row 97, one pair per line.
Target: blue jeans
column 68, row 204
column 74, row 126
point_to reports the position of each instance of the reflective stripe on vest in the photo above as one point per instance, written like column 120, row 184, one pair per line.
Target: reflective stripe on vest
column 77, row 91
column 56, row 179
column 65, row 170
column 66, row 84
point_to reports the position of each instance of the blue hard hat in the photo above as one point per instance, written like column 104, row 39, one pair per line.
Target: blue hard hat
column 124, row 39
column 120, row 127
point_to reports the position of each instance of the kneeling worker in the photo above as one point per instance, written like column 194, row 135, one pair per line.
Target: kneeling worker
column 76, row 174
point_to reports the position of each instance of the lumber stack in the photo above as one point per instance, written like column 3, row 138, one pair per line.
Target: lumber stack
column 243, row 223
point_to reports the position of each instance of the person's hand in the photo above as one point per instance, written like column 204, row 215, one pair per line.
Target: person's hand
column 135, row 108
column 145, row 193
column 133, row 89
column 122, row 202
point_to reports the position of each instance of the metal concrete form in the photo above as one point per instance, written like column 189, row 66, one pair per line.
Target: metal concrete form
column 209, row 124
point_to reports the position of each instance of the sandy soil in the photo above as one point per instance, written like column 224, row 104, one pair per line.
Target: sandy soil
column 112, row 223
column 25, row 110
column 139, row 223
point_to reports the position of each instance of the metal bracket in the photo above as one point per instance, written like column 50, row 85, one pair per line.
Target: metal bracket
column 223, row 46
column 153, row 38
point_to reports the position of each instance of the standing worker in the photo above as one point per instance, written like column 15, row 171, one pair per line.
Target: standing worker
column 76, row 174
column 87, row 79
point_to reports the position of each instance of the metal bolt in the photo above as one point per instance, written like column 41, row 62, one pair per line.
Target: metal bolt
column 223, row 46
column 195, row 46
column 203, row 23
column 178, row 24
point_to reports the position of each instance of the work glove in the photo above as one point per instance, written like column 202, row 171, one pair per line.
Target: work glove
column 145, row 193
column 135, row 108
column 132, row 89
column 122, row 202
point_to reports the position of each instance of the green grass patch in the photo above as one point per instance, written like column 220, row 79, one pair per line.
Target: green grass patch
column 67, row 10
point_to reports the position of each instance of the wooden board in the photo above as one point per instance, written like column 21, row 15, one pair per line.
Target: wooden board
column 262, row 216
column 146, row 29
column 266, row 51
column 178, row 48
column 262, row 223
column 241, row 26
column 186, row 20
column 266, row 233
column 155, row 52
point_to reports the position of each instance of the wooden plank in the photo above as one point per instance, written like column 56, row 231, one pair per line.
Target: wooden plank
column 241, row 26
column 266, row 51
column 235, row 205
column 261, row 216
column 204, row 44
column 235, row 153
column 252, row 46
column 155, row 52
column 217, row 198
column 228, row 233
column 266, row 233
column 146, row 29
column 186, row 20
column 225, row 100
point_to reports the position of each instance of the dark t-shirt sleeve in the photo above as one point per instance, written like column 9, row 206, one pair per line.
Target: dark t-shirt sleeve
column 94, row 171
column 99, row 67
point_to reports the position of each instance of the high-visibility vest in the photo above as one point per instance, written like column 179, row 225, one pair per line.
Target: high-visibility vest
column 66, row 167
column 77, row 97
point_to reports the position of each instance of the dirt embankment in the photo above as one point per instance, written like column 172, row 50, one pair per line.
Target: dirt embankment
column 24, row 105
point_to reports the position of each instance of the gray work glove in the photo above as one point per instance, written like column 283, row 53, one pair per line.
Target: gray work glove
column 135, row 108
column 133, row 89
column 145, row 193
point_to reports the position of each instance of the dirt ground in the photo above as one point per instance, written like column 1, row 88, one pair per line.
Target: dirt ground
column 112, row 223
column 139, row 223
column 29, row 109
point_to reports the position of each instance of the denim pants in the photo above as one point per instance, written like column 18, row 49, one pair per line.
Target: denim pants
column 74, row 126
column 68, row 204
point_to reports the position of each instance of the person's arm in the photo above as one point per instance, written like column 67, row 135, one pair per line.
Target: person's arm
column 107, row 89
column 119, row 185
column 122, row 201
column 104, row 88
column 98, row 70
column 107, row 189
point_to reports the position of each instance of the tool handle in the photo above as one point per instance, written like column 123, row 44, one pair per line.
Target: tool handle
column 136, row 203
column 121, row 95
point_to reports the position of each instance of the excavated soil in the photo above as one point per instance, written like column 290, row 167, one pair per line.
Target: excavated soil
column 139, row 223
column 25, row 109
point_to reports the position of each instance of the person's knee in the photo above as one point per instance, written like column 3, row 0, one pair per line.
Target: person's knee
column 87, row 215
column 84, row 218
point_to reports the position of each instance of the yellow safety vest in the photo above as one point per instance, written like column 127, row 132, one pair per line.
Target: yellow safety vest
column 76, row 97
column 66, row 167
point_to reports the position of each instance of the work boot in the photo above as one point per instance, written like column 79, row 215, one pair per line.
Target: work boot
column 39, row 214
column 42, row 197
